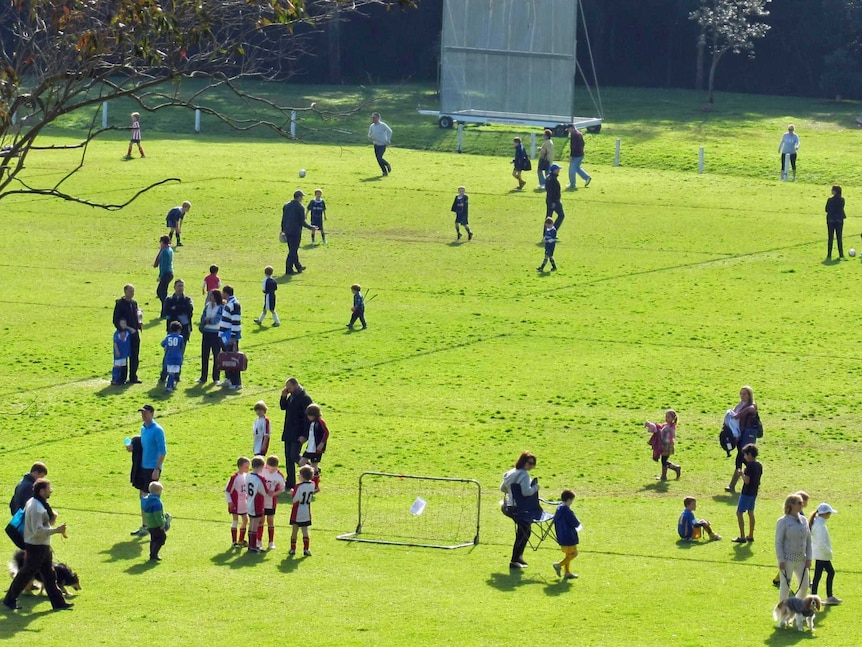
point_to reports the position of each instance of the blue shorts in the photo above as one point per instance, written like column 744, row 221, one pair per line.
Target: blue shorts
column 746, row 503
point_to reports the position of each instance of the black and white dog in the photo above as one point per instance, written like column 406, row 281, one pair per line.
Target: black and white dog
column 66, row 577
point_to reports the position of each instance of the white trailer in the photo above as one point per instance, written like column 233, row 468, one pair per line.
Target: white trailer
column 512, row 62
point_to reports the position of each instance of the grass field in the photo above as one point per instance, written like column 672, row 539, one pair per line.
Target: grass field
column 673, row 290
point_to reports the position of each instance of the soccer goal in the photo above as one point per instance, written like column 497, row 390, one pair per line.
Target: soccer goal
column 424, row 511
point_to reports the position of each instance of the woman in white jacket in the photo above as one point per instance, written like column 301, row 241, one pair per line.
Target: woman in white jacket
column 821, row 549
column 793, row 548
column 520, row 476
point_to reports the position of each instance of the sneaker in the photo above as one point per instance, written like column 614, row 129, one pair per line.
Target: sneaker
column 459, row 235
column 179, row 244
column 739, row 540
column 587, row 183
column 514, row 565
column 257, row 321
column 553, row 268
column 715, row 537
column 570, row 576
column 252, row 549
column 156, row 558
column 276, row 325
column 12, row 606
column 469, row 235
column 832, row 600
column 272, row 545
column 307, row 553
column 200, row 380
column 540, row 269
column 242, row 544
column 235, row 387
column 776, row 582
column 291, row 552
column 64, row 607
column 168, row 519
column 557, row 569
column 140, row 532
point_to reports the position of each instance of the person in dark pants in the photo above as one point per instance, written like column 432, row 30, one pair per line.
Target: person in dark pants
column 381, row 136
column 165, row 262
column 178, row 307
column 358, row 308
column 231, row 333
column 210, row 342
column 553, row 194
column 38, row 520
column 519, row 478
column 835, row 221
column 294, row 401
column 292, row 223
column 127, row 308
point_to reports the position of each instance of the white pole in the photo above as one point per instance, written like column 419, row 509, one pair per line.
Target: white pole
column 700, row 160
column 532, row 145
column 293, row 123
column 460, row 136
column 197, row 120
column 617, row 153
column 104, row 114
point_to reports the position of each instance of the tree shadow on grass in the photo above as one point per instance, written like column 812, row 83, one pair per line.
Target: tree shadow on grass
column 131, row 549
column 511, row 581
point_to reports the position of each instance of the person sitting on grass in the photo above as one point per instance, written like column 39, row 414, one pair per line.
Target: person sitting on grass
column 688, row 523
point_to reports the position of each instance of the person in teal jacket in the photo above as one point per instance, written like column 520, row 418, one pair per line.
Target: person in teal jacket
column 155, row 519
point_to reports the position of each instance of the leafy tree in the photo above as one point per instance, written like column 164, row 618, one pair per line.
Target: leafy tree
column 729, row 26
column 62, row 56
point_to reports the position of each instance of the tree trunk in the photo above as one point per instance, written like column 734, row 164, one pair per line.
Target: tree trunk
column 710, row 97
column 334, row 45
column 698, row 76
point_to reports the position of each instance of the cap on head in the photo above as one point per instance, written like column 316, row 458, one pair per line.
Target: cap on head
column 147, row 407
column 298, row 194
column 825, row 508
column 554, row 167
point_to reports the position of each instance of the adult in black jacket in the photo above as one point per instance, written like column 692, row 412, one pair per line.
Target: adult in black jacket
column 553, row 193
column 835, row 221
column 292, row 223
column 24, row 489
column 294, row 400
column 127, row 308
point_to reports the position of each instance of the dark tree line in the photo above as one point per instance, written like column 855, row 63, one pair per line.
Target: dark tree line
column 813, row 48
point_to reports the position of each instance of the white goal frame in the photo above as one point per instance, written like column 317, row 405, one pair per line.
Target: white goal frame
column 357, row 534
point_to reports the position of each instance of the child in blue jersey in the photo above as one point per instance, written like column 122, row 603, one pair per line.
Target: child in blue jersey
column 460, row 207
column 122, row 351
column 174, row 346
column 550, row 240
column 567, row 527
column 358, row 308
column 269, row 288
column 687, row 522
column 317, row 212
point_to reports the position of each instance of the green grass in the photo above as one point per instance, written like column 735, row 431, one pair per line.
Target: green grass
column 673, row 290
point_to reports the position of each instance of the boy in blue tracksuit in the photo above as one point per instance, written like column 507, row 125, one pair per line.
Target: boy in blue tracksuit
column 550, row 240
column 316, row 209
column 358, row 308
column 122, row 351
column 567, row 527
column 174, row 345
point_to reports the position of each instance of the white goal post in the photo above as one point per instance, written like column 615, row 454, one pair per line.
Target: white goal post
column 420, row 511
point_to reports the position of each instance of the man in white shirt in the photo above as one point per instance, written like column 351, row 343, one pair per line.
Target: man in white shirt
column 381, row 136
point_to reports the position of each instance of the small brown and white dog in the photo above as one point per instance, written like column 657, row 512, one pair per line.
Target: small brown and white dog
column 800, row 609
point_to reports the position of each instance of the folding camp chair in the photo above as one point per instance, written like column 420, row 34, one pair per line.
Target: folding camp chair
column 529, row 508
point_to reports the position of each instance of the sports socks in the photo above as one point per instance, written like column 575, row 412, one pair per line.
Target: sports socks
column 233, row 526
column 271, row 531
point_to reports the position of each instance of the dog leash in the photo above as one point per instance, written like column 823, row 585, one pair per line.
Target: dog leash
column 788, row 580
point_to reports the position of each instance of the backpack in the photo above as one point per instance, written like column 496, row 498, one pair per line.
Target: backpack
column 758, row 425
column 726, row 439
column 15, row 529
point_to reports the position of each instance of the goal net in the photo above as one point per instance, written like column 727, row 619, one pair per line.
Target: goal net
column 426, row 511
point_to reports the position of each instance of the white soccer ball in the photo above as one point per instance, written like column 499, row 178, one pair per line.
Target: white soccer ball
column 852, row 252
column 302, row 172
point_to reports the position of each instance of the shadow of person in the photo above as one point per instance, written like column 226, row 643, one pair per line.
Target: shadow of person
column 376, row 178
column 126, row 549
column 142, row 567
column 510, row 581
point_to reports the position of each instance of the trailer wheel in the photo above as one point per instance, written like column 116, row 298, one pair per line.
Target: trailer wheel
column 445, row 121
column 560, row 130
column 595, row 130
